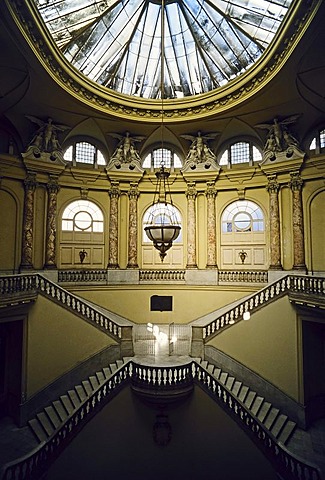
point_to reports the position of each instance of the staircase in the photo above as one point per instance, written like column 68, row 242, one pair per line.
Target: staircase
column 280, row 426
column 53, row 416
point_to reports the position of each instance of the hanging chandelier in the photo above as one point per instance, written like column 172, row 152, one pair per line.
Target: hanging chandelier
column 163, row 228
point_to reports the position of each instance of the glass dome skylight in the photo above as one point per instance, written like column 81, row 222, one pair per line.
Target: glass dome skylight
column 118, row 43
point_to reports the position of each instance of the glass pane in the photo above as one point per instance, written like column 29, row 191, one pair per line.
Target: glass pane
column 207, row 43
column 82, row 221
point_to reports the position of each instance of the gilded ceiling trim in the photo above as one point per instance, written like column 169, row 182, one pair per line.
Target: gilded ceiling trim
column 195, row 107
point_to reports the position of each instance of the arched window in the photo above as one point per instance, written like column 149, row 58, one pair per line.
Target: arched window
column 162, row 157
column 240, row 152
column 84, row 152
column 318, row 142
column 242, row 216
column 82, row 216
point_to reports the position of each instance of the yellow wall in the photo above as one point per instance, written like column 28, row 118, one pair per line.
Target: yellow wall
column 57, row 341
column 133, row 302
column 267, row 344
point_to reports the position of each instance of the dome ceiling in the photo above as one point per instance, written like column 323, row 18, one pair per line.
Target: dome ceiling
column 206, row 43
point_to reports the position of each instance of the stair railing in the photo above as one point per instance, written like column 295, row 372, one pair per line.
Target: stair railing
column 15, row 284
column 31, row 466
column 287, row 284
column 290, row 466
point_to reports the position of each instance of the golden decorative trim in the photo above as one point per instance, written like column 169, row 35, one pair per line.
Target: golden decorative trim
column 107, row 101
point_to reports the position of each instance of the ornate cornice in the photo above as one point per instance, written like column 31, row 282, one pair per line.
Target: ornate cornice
column 107, row 101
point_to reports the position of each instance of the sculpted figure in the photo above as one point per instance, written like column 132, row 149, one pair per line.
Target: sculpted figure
column 279, row 138
column 199, row 151
column 126, row 151
column 45, row 138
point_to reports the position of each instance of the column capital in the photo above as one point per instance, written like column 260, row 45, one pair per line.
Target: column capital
column 30, row 182
column 211, row 191
column 133, row 191
column 191, row 191
column 273, row 185
column 114, row 191
column 296, row 181
column 53, row 185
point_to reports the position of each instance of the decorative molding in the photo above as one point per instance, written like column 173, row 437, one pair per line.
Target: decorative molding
column 26, row 16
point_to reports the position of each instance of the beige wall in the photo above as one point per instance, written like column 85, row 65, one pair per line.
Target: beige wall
column 57, row 341
column 133, row 302
column 268, row 345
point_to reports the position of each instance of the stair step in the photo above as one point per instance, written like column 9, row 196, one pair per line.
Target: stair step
column 236, row 387
column 243, row 392
column 287, row 431
column 37, row 429
column 53, row 416
column 75, row 400
column 67, row 404
column 210, row 368
column 80, row 392
column 279, row 424
column 223, row 377
column 257, row 405
column 113, row 367
column 204, row 363
column 216, row 373
column 100, row 377
column 119, row 363
column 264, row 410
column 87, row 387
column 250, row 398
column 45, row 422
column 60, row 409
column 270, row 419
column 94, row 382
column 229, row 383
column 107, row 372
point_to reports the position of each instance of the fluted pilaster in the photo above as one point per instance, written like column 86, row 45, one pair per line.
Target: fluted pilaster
column 275, row 240
column 114, row 194
column 296, row 184
column 133, row 195
column 191, row 195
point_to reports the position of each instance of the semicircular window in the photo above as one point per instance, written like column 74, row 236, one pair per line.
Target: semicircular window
column 206, row 43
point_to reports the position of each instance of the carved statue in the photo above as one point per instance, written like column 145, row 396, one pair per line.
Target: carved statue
column 199, row 151
column 45, row 138
column 279, row 138
column 126, row 151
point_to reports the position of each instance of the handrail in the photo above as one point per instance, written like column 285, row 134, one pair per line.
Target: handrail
column 12, row 284
column 291, row 466
column 33, row 464
column 289, row 283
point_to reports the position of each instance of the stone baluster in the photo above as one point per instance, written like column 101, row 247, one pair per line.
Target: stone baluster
column 133, row 195
column 275, row 245
column 28, row 223
column 191, row 195
column 211, row 194
column 50, row 245
column 114, row 194
column 297, row 222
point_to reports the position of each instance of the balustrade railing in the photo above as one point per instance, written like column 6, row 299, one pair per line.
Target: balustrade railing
column 290, row 466
column 80, row 276
column 239, row 276
column 31, row 466
column 162, row 275
column 15, row 284
column 289, row 283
